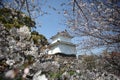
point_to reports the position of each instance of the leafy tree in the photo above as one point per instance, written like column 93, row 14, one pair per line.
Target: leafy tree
column 12, row 18
column 31, row 8
column 39, row 39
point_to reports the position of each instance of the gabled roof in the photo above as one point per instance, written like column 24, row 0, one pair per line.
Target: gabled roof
column 63, row 33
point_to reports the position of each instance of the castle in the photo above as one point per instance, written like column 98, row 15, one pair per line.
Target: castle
column 61, row 43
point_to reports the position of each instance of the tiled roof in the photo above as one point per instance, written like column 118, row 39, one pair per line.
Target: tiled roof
column 63, row 33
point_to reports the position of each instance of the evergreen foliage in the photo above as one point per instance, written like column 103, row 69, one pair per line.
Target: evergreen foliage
column 12, row 18
column 39, row 39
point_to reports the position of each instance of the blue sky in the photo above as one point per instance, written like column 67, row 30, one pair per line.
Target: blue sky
column 52, row 22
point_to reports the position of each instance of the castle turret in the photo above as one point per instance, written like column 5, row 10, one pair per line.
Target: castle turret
column 61, row 43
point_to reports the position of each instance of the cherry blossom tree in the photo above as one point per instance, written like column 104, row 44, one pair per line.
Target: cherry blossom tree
column 96, row 22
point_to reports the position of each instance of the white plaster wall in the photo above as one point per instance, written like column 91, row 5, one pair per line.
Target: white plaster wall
column 63, row 48
column 67, row 49
column 54, row 49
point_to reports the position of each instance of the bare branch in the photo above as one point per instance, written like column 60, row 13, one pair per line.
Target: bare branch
column 27, row 5
column 80, row 9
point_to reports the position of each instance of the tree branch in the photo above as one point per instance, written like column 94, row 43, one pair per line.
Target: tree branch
column 27, row 8
column 81, row 10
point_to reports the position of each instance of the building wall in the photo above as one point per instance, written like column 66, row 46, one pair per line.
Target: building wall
column 63, row 48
